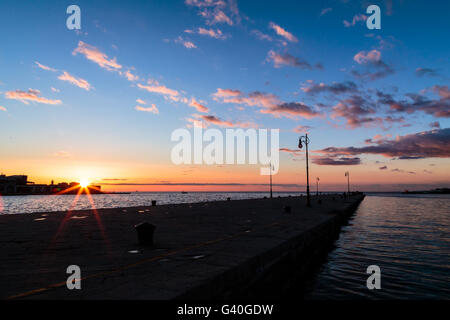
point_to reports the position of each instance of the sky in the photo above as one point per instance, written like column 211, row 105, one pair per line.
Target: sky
column 101, row 103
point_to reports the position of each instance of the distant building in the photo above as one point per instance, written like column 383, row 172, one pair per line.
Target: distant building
column 19, row 185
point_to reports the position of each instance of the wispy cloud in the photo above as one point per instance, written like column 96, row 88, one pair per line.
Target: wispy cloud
column 219, row 11
column 2, row 108
column 286, row 59
column 269, row 103
column 30, row 95
column 187, row 44
column 44, row 67
column 217, row 34
column 339, row 161
column 261, row 36
column 422, row 72
column 376, row 68
column 426, row 144
column 356, row 18
column 437, row 107
column 96, row 56
column 154, row 86
column 302, row 129
column 203, row 121
column 292, row 109
column 325, row 11
column 283, row 32
column 357, row 111
column 198, row 106
column 130, row 76
column 84, row 84
column 152, row 109
column 335, row 88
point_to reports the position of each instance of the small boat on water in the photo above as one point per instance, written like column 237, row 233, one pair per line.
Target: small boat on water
column 183, row 192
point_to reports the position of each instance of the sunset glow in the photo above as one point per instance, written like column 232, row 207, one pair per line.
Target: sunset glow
column 103, row 102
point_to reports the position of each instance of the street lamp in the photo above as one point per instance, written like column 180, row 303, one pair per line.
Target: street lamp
column 270, row 179
column 304, row 139
column 347, row 174
column 317, row 186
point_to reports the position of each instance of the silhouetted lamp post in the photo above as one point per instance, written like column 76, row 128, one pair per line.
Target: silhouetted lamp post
column 271, row 180
column 347, row 174
column 304, row 139
column 317, row 186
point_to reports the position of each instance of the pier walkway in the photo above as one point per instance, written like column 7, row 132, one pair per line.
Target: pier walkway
column 201, row 250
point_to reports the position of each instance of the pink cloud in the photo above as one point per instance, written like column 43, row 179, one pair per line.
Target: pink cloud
column 302, row 129
column 84, row 84
column 261, row 36
column 185, row 43
column 130, row 76
column 198, row 106
column 220, row 17
column 356, row 18
column 95, row 55
column 282, row 32
column 45, row 67
column 426, row 144
column 364, row 57
column 217, row 34
column 269, row 103
column 3, row 108
column 156, row 88
column 286, row 59
column 30, row 95
column 292, row 109
column 223, row 93
column 152, row 109
column 206, row 120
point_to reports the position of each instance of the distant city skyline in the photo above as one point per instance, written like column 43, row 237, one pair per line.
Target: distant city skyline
column 100, row 103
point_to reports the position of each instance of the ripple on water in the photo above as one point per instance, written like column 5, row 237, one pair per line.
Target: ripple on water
column 407, row 237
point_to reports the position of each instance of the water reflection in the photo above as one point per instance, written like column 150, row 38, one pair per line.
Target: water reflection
column 49, row 203
column 407, row 237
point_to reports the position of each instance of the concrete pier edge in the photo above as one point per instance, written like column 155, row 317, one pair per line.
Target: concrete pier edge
column 209, row 250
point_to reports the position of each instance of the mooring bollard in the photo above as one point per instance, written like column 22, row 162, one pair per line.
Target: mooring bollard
column 319, row 201
column 145, row 233
column 287, row 209
column 153, row 203
column 228, row 199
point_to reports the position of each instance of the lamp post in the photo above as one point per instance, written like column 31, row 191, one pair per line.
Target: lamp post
column 317, row 186
column 304, row 139
column 347, row 174
column 270, row 179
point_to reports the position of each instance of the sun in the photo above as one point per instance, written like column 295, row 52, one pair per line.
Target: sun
column 84, row 183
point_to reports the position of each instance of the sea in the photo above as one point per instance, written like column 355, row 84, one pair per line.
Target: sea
column 407, row 236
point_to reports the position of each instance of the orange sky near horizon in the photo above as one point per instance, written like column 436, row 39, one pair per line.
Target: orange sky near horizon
column 129, row 176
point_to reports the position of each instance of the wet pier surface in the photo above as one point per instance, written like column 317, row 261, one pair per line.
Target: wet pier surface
column 201, row 250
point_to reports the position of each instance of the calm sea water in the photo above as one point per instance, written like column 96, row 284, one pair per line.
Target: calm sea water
column 49, row 203
column 408, row 237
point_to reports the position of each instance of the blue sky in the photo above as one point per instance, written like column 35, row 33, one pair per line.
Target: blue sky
column 280, row 49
